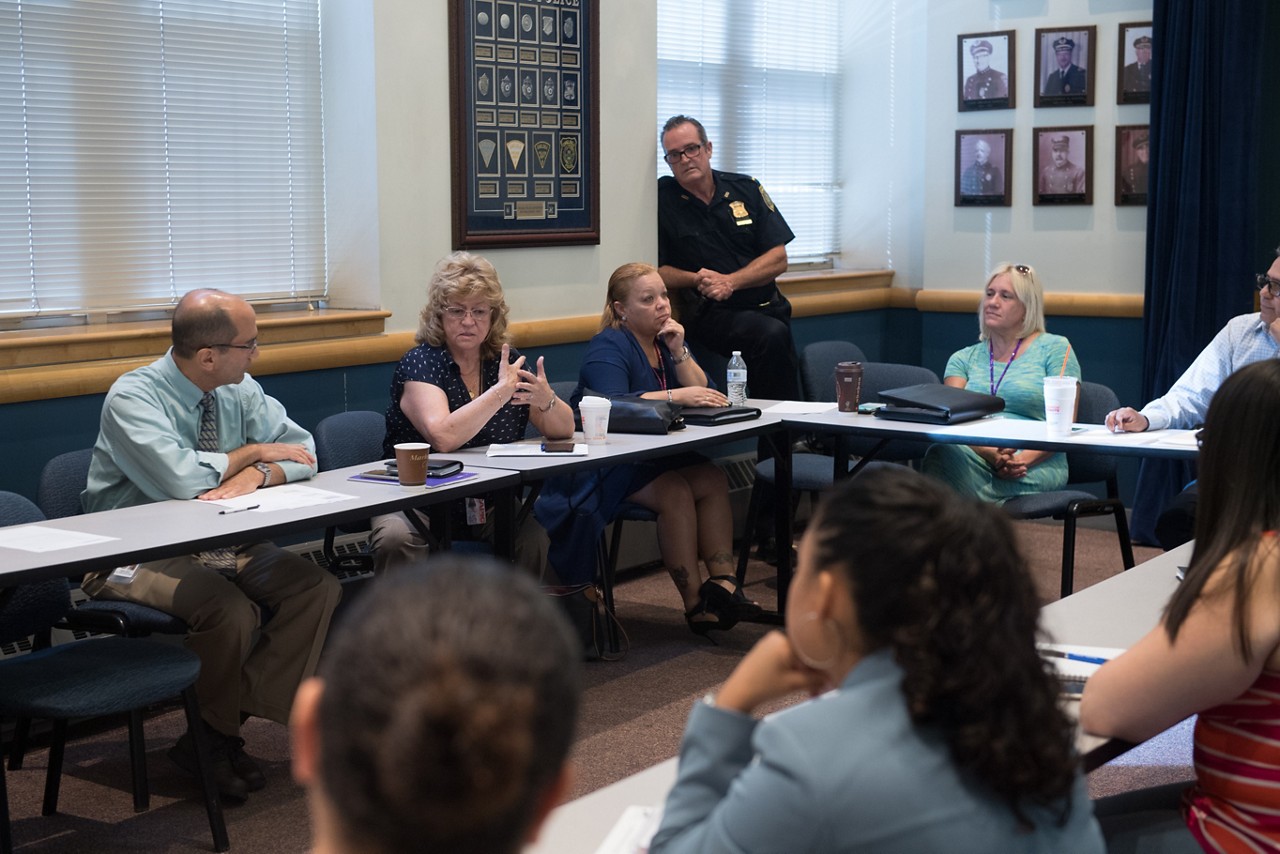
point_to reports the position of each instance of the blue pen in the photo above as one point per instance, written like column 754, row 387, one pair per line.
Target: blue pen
column 1071, row 656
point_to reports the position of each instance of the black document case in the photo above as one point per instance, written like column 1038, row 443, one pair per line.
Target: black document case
column 934, row 403
column 706, row 416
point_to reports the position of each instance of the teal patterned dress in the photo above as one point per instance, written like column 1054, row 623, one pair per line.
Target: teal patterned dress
column 1023, row 391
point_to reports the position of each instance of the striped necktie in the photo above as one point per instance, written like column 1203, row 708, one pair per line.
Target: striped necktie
column 224, row 559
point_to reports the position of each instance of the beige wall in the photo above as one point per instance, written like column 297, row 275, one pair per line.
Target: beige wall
column 386, row 67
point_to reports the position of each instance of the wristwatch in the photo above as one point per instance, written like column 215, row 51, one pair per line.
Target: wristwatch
column 266, row 473
column 684, row 355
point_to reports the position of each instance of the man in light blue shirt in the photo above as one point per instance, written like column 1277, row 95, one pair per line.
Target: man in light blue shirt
column 152, row 446
column 1244, row 340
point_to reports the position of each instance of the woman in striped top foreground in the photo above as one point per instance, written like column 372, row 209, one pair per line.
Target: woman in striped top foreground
column 1216, row 652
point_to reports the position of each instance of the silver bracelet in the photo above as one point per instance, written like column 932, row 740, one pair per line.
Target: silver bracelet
column 669, row 400
column 550, row 403
column 684, row 356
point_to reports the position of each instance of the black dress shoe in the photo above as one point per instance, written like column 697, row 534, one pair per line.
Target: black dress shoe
column 246, row 767
column 231, row 787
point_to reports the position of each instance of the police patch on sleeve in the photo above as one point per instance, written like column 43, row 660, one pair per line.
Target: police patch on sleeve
column 768, row 202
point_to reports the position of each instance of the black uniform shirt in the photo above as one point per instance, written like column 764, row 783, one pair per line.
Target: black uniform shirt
column 739, row 226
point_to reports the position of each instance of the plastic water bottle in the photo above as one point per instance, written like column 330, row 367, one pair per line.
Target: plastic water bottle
column 737, row 377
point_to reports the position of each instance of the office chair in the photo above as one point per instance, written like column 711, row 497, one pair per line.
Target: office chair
column 348, row 439
column 1070, row 505
column 89, row 678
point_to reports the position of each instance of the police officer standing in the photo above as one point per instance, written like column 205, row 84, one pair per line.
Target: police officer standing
column 1070, row 78
column 721, row 245
column 985, row 82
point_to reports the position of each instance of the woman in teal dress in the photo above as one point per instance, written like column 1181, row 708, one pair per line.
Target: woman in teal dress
column 1011, row 359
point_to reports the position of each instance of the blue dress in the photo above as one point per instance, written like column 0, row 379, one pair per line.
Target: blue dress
column 1023, row 391
column 576, row 508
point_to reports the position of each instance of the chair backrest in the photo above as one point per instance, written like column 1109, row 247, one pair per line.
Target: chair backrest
column 878, row 376
column 61, row 481
column 818, row 367
column 1096, row 400
column 28, row 609
column 349, row 438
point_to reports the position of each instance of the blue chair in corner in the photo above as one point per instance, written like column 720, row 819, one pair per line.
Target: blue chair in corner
column 348, row 439
column 88, row 678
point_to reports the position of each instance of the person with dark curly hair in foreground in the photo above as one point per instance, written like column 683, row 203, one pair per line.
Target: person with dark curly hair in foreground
column 943, row 731
column 435, row 724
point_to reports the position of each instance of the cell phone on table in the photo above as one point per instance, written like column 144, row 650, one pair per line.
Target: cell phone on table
column 562, row 447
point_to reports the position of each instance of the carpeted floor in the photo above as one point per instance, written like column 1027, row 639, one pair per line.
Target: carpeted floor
column 633, row 715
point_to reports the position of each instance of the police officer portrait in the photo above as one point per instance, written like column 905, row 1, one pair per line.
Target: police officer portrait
column 1064, row 65
column 1134, row 83
column 1064, row 165
column 986, row 71
column 1132, row 151
column 982, row 168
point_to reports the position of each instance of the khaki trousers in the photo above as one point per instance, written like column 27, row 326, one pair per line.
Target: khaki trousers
column 238, row 674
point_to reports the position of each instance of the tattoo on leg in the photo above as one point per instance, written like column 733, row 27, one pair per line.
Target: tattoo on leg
column 680, row 576
column 719, row 557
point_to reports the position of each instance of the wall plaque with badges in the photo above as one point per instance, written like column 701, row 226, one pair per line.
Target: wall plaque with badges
column 524, row 101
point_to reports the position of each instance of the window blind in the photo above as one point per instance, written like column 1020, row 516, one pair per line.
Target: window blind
column 149, row 147
column 763, row 78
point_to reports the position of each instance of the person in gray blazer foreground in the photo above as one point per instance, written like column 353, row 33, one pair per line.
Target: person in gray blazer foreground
column 942, row 732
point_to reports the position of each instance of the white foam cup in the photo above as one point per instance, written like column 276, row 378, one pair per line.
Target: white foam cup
column 1059, row 404
column 595, row 419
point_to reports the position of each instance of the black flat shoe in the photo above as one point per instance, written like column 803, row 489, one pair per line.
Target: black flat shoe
column 739, row 606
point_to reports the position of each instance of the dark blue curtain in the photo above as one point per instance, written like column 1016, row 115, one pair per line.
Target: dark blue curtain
column 1202, row 197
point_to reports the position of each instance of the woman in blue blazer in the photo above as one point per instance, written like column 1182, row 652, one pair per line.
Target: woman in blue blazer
column 942, row 732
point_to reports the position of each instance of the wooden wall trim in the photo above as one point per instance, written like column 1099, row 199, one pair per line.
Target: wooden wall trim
column 811, row 296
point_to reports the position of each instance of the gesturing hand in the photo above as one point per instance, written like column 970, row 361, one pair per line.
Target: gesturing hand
column 508, row 375
column 533, row 388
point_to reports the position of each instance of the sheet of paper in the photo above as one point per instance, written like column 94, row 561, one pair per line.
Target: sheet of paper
column 34, row 538
column 799, row 407
column 530, row 449
column 633, row 832
column 288, row 497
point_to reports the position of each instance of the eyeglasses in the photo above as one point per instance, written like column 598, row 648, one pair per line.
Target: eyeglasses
column 457, row 312
column 1272, row 285
column 690, row 151
column 1023, row 269
column 252, row 345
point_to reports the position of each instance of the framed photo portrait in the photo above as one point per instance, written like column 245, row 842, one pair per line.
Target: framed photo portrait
column 1132, row 147
column 1064, row 66
column 1133, row 84
column 1063, row 163
column 524, row 123
column 985, row 63
column 982, row 168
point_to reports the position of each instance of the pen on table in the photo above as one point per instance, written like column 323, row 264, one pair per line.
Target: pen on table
column 239, row 509
column 1071, row 656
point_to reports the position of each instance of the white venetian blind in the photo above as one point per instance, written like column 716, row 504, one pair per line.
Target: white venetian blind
column 148, row 147
column 763, row 77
